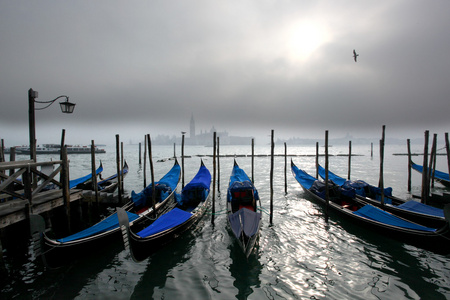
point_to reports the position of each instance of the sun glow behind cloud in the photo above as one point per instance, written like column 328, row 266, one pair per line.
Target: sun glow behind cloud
column 304, row 38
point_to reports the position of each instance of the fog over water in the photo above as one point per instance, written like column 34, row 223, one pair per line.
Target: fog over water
column 244, row 68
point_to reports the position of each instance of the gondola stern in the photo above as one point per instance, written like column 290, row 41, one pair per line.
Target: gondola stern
column 37, row 228
column 124, row 225
column 447, row 213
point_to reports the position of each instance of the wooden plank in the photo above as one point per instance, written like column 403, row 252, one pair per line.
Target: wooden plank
column 26, row 163
column 47, row 181
column 12, row 206
column 15, row 164
column 13, row 218
column 6, row 177
column 11, row 179
column 53, row 203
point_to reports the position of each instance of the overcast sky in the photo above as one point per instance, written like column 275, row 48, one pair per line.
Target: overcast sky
column 246, row 67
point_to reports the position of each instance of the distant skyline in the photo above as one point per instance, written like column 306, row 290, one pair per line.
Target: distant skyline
column 136, row 67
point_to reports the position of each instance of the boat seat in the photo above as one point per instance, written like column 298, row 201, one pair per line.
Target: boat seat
column 350, row 207
column 249, row 207
column 140, row 211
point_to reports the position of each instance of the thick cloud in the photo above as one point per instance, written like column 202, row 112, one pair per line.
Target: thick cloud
column 245, row 67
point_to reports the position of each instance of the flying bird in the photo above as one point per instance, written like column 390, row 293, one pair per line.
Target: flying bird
column 355, row 55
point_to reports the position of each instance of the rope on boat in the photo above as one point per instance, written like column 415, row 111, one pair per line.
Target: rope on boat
column 443, row 235
column 264, row 210
column 45, row 252
column 151, row 219
column 220, row 212
column 224, row 211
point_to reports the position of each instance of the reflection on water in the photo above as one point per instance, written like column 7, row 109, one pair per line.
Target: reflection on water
column 160, row 267
column 244, row 271
column 299, row 257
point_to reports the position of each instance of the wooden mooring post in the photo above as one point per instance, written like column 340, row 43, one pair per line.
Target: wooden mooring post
column 145, row 161
column 349, row 159
column 182, row 160
column 381, row 182
column 150, row 159
column 2, row 151
column 65, row 183
column 285, row 169
column 119, row 181
column 213, row 208
column 317, row 159
column 253, row 160
column 408, row 143
column 218, row 164
column 432, row 165
column 327, row 192
column 12, row 157
column 272, row 146
column 425, row 191
column 447, row 150
column 120, row 174
column 140, row 145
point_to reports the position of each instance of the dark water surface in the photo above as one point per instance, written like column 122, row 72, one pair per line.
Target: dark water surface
column 299, row 257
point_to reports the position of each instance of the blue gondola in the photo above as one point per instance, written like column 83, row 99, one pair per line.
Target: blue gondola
column 343, row 202
column 439, row 176
column 242, row 207
column 186, row 212
column 138, row 209
column 412, row 210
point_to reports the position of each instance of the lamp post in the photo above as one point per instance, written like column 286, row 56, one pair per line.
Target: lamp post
column 66, row 107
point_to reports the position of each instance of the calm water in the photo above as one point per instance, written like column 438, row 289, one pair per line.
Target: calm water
column 299, row 257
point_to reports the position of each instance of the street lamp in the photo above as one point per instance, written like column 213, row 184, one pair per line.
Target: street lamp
column 66, row 107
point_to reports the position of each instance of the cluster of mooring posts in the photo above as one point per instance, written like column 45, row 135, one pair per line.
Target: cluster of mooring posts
column 429, row 167
column 21, row 198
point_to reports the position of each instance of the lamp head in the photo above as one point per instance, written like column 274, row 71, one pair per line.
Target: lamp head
column 67, row 107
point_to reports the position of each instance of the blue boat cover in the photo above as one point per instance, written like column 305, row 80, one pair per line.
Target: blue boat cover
column 319, row 189
column 105, row 225
column 331, row 176
column 437, row 174
column 422, row 208
column 73, row 183
column 166, row 185
column 201, row 181
column 376, row 214
column 360, row 186
column 240, row 181
column 245, row 220
column 303, row 178
column 124, row 171
column 169, row 220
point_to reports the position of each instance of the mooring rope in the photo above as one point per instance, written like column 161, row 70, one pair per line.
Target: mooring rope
column 151, row 219
column 220, row 212
column 264, row 210
column 224, row 211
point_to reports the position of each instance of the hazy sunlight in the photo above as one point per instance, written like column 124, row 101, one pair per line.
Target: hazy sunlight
column 305, row 37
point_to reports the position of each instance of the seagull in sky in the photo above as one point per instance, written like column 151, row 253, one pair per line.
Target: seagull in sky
column 355, row 55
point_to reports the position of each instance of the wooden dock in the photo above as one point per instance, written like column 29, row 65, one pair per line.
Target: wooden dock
column 17, row 210
column 20, row 197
